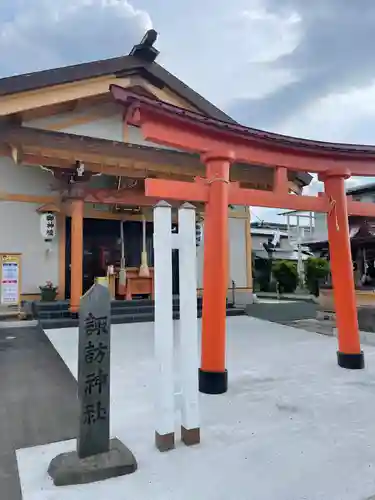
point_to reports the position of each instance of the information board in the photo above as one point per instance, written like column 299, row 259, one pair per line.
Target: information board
column 10, row 279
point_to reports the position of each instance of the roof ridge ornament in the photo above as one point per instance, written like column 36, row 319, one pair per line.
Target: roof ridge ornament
column 146, row 50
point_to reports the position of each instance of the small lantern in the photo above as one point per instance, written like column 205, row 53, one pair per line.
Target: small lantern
column 48, row 226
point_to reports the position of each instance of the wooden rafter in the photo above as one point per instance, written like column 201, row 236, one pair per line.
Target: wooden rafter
column 61, row 150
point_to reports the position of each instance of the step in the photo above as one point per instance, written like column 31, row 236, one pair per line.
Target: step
column 56, row 305
column 59, row 323
column 114, row 312
column 235, row 311
column 127, row 311
column 63, row 305
column 140, row 317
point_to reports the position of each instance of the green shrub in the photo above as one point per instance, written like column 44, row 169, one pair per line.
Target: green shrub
column 286, row 275
column 262, row 274
column 316, row 270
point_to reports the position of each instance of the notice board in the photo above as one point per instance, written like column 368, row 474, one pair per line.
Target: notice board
column 10, row 273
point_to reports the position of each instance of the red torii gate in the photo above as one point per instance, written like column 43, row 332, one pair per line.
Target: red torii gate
column 220, row 144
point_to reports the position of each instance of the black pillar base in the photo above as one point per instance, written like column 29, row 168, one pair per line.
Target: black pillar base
column 213, row 382
column 351, row 361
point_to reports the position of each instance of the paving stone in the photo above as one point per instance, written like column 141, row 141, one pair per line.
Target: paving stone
column 34, row 380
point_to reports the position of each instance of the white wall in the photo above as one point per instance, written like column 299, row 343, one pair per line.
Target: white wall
column 20, row 226
column 20, row 233
column 237, row 255
column 110, row 127
column 19, row 179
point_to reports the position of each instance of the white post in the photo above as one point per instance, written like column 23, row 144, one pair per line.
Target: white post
column 163, row 327
column 189, row 355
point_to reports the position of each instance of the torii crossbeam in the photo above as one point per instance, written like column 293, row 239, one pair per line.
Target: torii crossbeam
column 220, row 144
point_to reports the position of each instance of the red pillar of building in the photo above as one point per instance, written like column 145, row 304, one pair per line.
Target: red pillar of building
column 213, row 376
column 76, row 255
column 349, row 353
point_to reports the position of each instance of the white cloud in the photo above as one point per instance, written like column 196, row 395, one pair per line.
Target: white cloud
column 272, row 34
column 245, row 50
column 44, row 34
column 341, row 117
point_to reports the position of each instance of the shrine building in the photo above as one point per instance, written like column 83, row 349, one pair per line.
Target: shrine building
column 72, row 168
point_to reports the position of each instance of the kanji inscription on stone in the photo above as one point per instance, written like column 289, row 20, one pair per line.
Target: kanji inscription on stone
column 94, row 371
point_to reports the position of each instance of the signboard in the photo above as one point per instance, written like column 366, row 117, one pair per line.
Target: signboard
column 94, row 371
column 10, row 279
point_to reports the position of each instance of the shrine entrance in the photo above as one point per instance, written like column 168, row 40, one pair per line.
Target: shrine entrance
column 220, row 144
column 102, row 248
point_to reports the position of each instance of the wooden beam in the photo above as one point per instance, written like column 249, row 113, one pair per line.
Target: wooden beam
column 36, row 155
column 28, row 198
column 361, row 208
column 127, row 197
column 256, row 198
column 49, row 207
column 176, row 190
column 198, row 191
column 105, row 168
column 25, row 101
column 194, row 137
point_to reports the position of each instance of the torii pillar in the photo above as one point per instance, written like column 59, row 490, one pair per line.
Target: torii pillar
column 349, row 354
column 214, row 191
column 213, row 376
column 76, row 254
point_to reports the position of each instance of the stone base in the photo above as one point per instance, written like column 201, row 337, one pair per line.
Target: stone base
column 164, row 442
column 68, row 468
column 190, row 437
column 351, row 361
column 213, row 382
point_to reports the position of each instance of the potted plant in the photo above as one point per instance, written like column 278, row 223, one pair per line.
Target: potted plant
column 48, row 292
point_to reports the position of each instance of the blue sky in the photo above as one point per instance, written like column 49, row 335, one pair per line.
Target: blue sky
column 298, row 67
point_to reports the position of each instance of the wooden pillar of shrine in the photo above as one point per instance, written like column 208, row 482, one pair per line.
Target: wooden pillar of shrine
column 76, row 271
column 213, row 376
column 349, row 353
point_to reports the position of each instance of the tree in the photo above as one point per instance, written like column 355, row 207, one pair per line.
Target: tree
column 286, row 275
column 316, row 270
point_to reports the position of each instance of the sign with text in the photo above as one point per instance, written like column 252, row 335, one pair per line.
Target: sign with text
column 94, row 371
column 10, row 280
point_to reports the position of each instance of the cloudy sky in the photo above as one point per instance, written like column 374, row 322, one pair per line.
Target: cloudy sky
column 298, row 67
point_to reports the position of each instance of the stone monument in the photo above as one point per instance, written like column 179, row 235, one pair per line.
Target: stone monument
column 97, row 456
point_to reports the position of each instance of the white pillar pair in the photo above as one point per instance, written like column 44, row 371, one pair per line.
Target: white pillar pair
column 167, row 402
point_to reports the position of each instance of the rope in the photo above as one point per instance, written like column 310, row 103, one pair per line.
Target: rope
column 332, row 210
column 217, row 179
